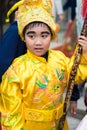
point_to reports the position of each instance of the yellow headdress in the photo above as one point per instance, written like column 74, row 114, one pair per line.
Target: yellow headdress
column 35, row 10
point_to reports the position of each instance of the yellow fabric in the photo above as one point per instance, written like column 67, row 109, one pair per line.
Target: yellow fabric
column 65, row 125
column 34, row 10
column 32, row 84
column 45, row 115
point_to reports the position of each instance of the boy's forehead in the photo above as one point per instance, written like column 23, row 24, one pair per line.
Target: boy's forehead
column 38, row 24
column 36, row 27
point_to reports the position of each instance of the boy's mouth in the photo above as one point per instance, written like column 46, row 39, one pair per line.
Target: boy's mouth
column 39, row 49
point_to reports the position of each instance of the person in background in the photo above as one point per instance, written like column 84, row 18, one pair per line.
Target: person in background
column 79, row 25
column 57, row 10
column 72, row 5
column 79, row 18
column 74, row 99
column 83, row 123
column 11, row 45
column 71, row 37
column 2, row 9
column 31, row 91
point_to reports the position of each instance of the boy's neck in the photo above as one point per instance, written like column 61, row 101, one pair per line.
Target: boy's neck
column 45, row 56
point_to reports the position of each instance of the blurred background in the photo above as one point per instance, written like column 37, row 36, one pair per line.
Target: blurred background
column 66, row 40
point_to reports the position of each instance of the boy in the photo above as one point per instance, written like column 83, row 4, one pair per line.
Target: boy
column 31, row 91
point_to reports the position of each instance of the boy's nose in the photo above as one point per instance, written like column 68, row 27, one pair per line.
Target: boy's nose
column 38, row 41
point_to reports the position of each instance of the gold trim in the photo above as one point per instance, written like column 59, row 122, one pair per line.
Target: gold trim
column 13, row 8
column 7, row 20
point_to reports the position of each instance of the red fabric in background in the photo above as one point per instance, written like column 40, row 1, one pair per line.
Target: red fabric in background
column 65, row 50
column 84, row 8
column 0, row 126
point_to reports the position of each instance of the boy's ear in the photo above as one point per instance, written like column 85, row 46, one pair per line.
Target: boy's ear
column 16, row 15
column 24, row 39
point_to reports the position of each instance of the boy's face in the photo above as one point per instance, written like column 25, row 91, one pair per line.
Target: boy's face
column 38, row 39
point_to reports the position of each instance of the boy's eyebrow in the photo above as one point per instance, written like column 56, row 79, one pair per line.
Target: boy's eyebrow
column 33, row 32
column 45, row 32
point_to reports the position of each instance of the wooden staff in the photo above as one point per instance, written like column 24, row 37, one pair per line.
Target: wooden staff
column 72, row 77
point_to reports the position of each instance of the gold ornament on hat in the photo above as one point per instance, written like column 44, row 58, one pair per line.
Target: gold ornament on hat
column 46, row 4
column 35, row 10
column 14, row 7
column 32, row 2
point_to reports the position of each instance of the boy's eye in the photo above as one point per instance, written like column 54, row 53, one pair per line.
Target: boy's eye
column 44, row 35
column 31, row 36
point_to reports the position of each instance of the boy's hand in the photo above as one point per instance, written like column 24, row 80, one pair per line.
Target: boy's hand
column 73, row 108
column 83, row 42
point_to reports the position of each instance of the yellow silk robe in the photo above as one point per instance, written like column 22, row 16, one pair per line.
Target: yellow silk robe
column 31, row 92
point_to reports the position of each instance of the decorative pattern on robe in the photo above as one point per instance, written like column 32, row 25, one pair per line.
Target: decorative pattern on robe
column 31, row 92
